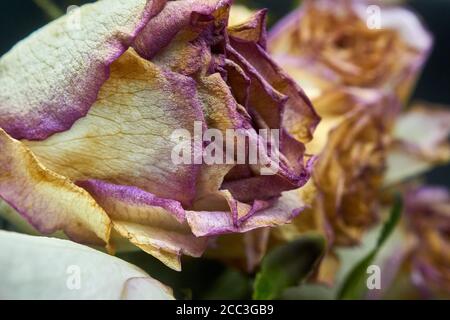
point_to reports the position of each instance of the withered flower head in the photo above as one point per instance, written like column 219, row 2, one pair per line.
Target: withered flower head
column 357, row 74
column 352, row 43
column 351, row 143
column 87, row 112
column 428, row 216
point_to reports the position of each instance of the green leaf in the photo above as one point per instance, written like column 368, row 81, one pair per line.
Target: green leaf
column 287, row 266
column 231, row 285
column 354, row 286
column 389, row 226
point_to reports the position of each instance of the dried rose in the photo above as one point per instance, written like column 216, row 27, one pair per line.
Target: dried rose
column 352, row 143
column 88, row 108
column 427, row 211
column 357, row 77
column 352, row 43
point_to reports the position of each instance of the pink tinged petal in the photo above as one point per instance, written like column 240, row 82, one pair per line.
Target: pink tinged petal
column 125, row 138
column 292, row 173
column 238, row 81
column 52, row 78
column 260, row 187
column 249, row 40
column 253, row 29
column 157, row 226
column 284, row 209
column 266, row 102
column 48, row 201
column 221, row 112
column 47, row 268
column 299, row 118
column 111, row 195
column 176, row 16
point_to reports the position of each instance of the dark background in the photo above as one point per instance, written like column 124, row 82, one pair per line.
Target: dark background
column 21, row 17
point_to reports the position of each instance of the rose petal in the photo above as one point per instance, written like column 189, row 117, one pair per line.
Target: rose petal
column 239, row 14
column 282, row 211
column 300, row 118
column 126, row 136
column 50, row 202
column 145, row 289
column 328, row 37
column 157, row 226
column 252, row 29
column 39, row 97
column 47, row 268
column 176, row 16
column 425, row 128
column 422, row 142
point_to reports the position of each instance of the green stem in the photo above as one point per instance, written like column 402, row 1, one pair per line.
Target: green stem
column 50, row 8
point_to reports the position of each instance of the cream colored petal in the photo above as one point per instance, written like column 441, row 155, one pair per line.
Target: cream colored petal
column 47, row 268
column 165, row 245
column 157, row 226
column 239, row 14
column 426, row 128
column 50, row 202
column 50, row 79
column 421, row 142
column 126, row 136
column 402, row 165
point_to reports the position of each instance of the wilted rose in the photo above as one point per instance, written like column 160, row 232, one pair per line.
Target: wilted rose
column 351, row 43
column 427, row 212
column 352, row 143
column 357, row 77
column 87, row 113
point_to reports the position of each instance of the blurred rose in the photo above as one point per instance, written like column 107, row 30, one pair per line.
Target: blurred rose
column 87, row 112
column 352, row 43
column 357, row 77
column 427, row 211
column 352, row 143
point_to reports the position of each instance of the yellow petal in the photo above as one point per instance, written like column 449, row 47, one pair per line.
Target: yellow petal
column 49, row 201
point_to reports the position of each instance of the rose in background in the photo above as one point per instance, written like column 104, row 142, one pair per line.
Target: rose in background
column 351, row 43
column 88, row 110
column 418, row 263
column 358, row 76
column 428, row 219
column 365, row 142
